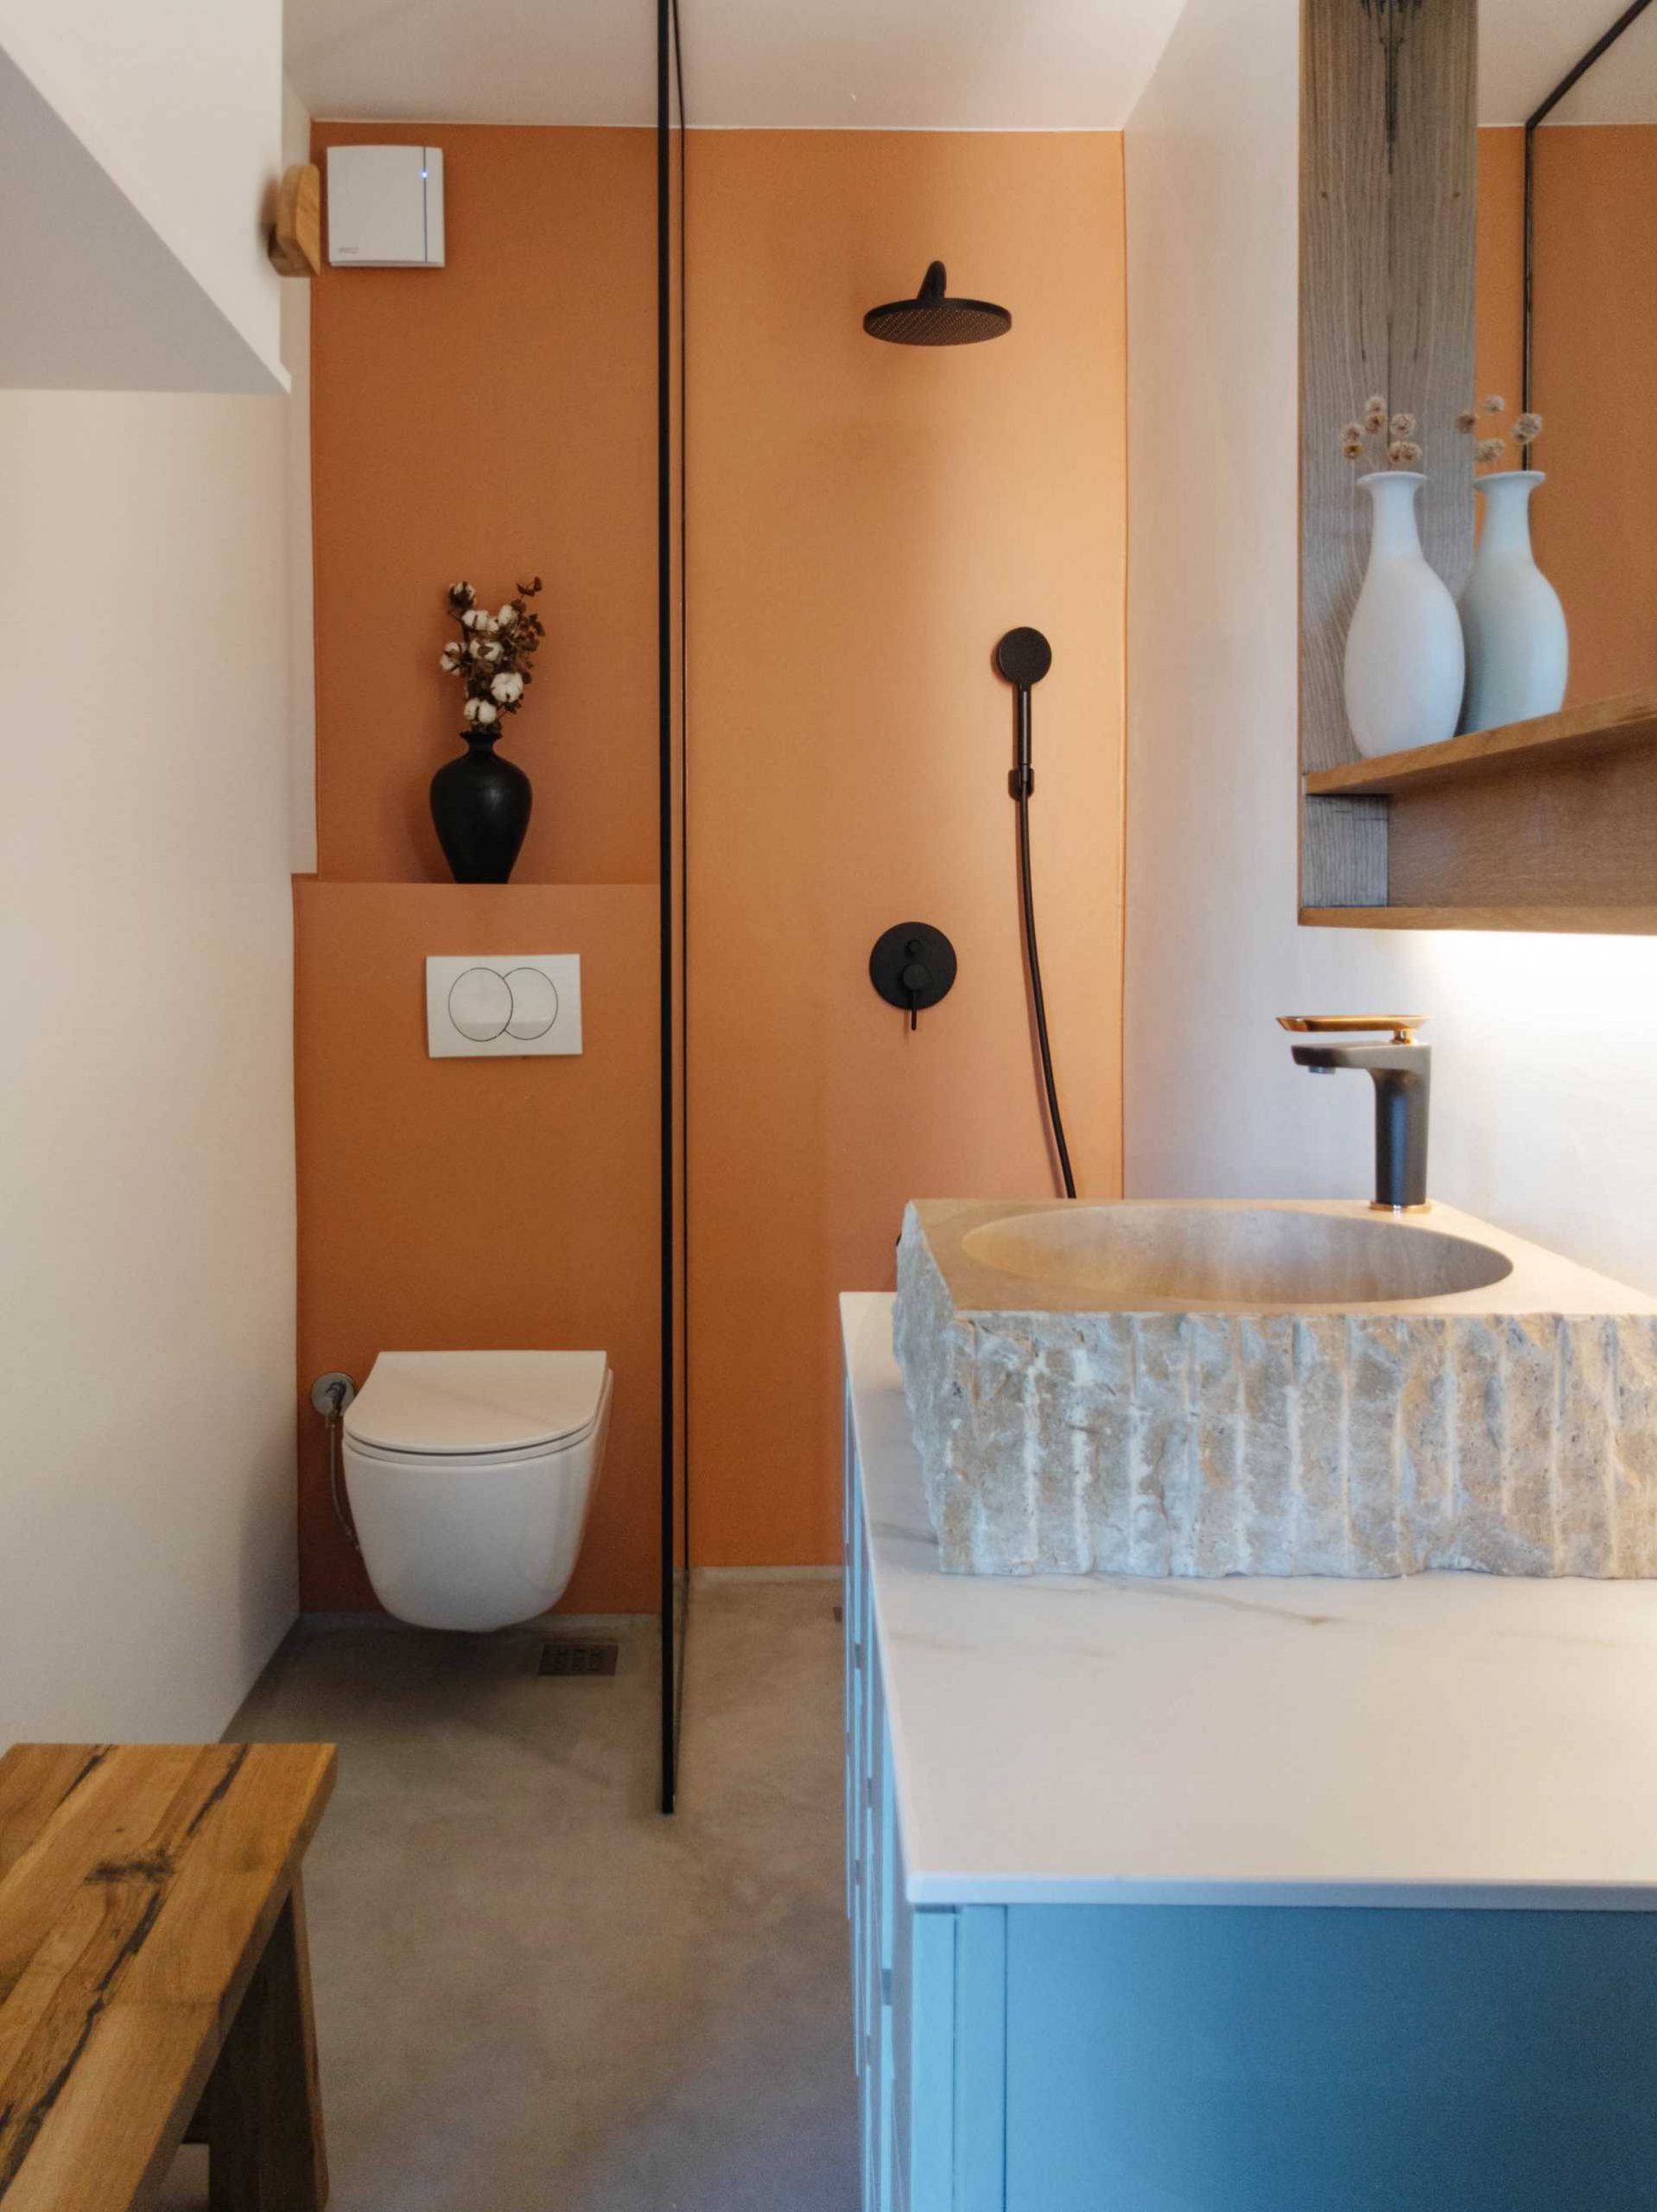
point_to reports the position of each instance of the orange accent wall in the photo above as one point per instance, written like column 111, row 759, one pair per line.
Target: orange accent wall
column 489, row 419
column 479, row 1203
column 1499, row 302
column 865, row 521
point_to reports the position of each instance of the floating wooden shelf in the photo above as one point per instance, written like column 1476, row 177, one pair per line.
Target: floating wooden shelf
column 1549, row 824
column 1552, row 741
column 1564, row 921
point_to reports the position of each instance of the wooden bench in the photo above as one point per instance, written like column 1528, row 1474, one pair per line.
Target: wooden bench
column 155, row 1985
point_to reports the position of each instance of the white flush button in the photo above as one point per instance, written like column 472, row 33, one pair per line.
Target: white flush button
column 535, row 1002
column 505, row 1005
column 480, row 1004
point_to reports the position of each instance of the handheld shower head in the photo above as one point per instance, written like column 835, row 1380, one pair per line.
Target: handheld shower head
column 1024, row 657
column 930, row 319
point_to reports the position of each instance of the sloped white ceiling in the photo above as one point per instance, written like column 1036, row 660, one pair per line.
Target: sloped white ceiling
column 936, row 65
column 941, row 65
column 446, row 60
column 923, row 65
column 1526, row 46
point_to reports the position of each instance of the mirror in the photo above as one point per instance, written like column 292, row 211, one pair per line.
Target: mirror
column 1572, row 110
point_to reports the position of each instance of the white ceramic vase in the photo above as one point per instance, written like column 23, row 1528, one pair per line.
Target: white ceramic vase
column 1403, row 662
column 1518, row 653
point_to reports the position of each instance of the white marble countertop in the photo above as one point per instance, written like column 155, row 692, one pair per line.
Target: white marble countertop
column 1440, row 1740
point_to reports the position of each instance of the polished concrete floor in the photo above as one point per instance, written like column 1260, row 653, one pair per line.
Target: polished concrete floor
column 532, row 1990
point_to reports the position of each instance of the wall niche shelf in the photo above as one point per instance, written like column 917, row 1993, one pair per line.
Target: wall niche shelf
column 1549, row 824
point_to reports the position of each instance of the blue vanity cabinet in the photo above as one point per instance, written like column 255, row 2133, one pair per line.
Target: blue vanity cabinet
column 1219, row 2057
column 927, row 1985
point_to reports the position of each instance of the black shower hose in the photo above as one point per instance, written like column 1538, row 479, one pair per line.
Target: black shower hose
column 1053, row 1114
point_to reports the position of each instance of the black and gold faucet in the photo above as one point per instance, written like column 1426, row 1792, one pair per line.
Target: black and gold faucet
column 1402, row 1072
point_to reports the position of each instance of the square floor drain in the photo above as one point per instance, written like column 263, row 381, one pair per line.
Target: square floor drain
column 569, row 1658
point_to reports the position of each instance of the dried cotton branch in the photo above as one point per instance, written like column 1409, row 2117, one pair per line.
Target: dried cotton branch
column 492, row 653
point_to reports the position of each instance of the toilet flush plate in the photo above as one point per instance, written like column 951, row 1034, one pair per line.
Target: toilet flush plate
column 501, row 1006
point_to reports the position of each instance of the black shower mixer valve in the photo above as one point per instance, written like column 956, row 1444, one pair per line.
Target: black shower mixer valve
column 912, row 966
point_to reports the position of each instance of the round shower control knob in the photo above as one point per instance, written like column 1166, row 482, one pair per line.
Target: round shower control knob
column 913, row 966
column 480, row 1004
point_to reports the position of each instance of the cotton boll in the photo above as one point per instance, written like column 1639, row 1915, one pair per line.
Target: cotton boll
column 507, row 616
column 508, row 687
column 486, row 712
column 470, row 710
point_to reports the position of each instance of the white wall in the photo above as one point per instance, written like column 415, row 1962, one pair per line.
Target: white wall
column 147, row 1544
column 301, row 628
column 179, row 104
column 1544, row 1048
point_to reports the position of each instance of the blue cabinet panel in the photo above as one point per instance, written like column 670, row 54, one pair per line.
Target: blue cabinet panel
column 980, row 2059
column 924, row 2028
column 1207, row 2059
column 905, row 2003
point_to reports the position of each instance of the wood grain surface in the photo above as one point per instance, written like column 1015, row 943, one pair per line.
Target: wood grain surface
column 140, row 1888
column 1564, row 921
column 1575, row 734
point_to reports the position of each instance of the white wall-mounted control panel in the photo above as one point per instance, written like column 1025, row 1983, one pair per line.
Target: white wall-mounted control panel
column 385, row 206
column 503, row 1006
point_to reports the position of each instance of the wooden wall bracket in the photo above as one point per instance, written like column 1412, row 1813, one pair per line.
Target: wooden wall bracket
column 296, row 232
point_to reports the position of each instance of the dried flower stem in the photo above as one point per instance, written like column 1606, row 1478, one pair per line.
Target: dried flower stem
column 1486, row 452
column 1383, row 439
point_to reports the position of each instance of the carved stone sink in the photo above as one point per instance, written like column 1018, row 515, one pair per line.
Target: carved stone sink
column 1212, row 1388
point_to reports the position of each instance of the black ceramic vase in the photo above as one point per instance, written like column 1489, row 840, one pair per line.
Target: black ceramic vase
column 480, row 808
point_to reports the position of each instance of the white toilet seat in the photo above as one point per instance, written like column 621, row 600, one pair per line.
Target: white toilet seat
column 476, row 1404
column 470, row 1475
column 463, row 1463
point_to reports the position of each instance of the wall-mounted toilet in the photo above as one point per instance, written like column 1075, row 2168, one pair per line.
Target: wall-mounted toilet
column 469, row 1475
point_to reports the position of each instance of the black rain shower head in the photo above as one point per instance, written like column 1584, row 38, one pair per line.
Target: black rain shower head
column 930, row 319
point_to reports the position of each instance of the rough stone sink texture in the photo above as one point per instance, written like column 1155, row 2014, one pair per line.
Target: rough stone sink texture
column 1222, row 1388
